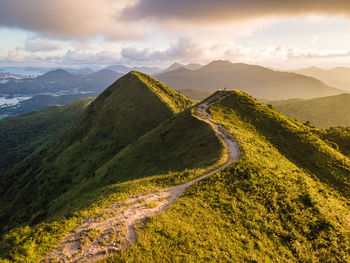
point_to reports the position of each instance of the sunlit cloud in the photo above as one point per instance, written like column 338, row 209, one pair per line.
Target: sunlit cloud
column 220, row 11
column 70, row 19
column 40, row 46
column 159, row 32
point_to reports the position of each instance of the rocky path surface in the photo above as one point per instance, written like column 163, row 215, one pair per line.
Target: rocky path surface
column 114, row 227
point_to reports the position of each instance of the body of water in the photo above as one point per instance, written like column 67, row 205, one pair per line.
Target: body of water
column 11, row 101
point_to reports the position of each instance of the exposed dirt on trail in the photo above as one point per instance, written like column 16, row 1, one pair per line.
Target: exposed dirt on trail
column 114, row 228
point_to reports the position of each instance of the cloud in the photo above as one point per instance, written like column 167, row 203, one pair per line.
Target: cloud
column 70, row 58
column 307, row 54
column 70, row 19
column 209, row 11
column 40, row 46
column 183, row 49
column 280, row 54
column 134, row 19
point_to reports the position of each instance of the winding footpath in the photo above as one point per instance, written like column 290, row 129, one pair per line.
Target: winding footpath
column 114, row 228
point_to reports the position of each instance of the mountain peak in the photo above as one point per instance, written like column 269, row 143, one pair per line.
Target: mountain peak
column 176, row 66
column 220, row 63
column 56, row 74
column 172, row 98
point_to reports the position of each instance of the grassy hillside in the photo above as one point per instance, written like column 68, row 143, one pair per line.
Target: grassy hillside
column 132, row 106
column 285, row 200
column 258, row 81
column 321, row 112
column 21, row 136
column 175, row 152
column 338, row 137
column 338, row 77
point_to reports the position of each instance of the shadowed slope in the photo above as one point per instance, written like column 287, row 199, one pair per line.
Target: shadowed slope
column 177, row 151
column 132, row 106
column 21, row 136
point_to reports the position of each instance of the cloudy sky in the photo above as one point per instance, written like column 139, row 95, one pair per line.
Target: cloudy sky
column 89, row 33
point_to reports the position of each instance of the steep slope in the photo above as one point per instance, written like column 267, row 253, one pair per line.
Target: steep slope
column 337, row 77
column 126, row 215
column 321, row 112
column 258, row 81
column 178, row 150
column 20, row 136
column 285, row 200
column 132, row 106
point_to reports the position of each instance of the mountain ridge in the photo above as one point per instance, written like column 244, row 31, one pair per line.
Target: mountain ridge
column 122, row 113
column 256, row 80
column 338, row 77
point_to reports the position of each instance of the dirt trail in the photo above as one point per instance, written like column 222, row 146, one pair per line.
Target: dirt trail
column 114, row 228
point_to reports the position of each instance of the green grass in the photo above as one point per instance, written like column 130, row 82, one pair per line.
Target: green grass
column 338, row 137
column 21, row 136
column 132, row 106
column 175, row 152
column 322, row 112
column 273, row 205
column 178, row 150
column 285, row 200
column 28, row 244
column 174, row 99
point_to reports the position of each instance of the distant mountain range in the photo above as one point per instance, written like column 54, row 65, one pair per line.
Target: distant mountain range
column 61, row 81
column 55, row 87
column 258, row 81
column 337, row 77
column 125, row 69
column 193, row 80
column 175, row 66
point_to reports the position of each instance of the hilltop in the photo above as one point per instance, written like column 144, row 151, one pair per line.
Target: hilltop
column 258, row 81
column 57, row 74
column 321, row 112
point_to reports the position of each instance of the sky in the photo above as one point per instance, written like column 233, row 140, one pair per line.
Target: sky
column 96, row 33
